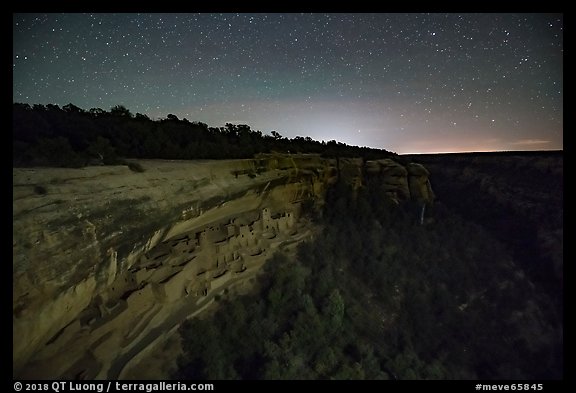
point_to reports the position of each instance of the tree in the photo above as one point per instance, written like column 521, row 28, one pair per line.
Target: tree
column 53, row 107
column 70, row 108
column 140, row 116
column 102, row 150
column 97, row 112
column 57, row 152
column 334, row 308
column 120, row 110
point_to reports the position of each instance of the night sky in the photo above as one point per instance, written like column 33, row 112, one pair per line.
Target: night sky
column 408, row 83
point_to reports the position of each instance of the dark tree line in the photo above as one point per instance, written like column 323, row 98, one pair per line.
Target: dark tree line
column 73, row 137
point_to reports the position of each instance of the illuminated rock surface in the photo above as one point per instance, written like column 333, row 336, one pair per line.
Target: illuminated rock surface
column 106, row 261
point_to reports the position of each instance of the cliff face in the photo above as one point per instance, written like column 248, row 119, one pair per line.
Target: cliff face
column 402, row 183
column 106, row 260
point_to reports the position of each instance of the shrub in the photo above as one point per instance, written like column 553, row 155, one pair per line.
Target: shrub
column 40, row 190
column 135, row 167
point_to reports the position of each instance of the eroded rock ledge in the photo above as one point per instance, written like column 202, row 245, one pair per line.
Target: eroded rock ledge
column 106, row 260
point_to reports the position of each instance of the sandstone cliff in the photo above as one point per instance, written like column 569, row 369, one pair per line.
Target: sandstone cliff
column 106, row 260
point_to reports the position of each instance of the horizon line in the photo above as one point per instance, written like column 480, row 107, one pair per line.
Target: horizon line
column 482, row 151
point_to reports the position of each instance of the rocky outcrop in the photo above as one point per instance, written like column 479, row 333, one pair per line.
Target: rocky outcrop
column 392, row 175
column 106, row 260
column 419, row 183
column 402, row 182
column 350, row 171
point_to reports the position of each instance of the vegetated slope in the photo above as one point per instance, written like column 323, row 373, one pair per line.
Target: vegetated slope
column 518, row 197
column 377, row 295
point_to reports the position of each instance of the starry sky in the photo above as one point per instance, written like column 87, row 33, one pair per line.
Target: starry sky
column 408, row 83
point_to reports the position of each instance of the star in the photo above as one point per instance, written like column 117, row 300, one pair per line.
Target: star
column 326, row 76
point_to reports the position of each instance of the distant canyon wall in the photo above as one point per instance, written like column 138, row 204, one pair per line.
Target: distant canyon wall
column 105, row 259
